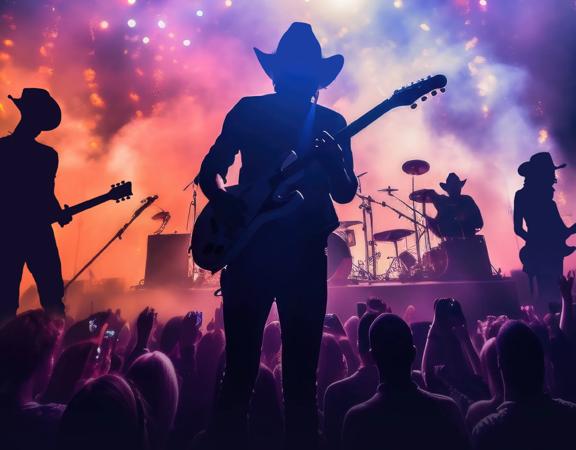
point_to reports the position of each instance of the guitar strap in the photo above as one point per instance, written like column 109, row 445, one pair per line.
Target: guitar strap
column 306, row 134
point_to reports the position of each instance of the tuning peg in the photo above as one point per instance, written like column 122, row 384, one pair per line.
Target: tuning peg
column 111, row 185
column 424, row 98
column 433, row 93
column 117, row 201
column 122, row 182
column 413, row 106
column 442, row 90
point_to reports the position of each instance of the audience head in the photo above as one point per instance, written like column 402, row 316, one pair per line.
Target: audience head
column 271, row 340
column 392, row 347
column 489, row 361
column 364, row 335
column 68, row 371
column 27, row 345
column 107, row 413
column 351, row 329
column 521, row 360
column 154, row 376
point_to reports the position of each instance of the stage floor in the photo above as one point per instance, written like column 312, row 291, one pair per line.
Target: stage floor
column 478, row 298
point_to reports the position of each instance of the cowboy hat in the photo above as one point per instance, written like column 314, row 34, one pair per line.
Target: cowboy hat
column 538, row 163
column 452, row 180
column 37, row 105
column 299, row 53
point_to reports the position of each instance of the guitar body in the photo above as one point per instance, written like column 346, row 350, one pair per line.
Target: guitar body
column 530, row 256
column 215, row 244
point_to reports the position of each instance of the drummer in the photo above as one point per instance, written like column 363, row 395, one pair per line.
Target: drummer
column 458, row 215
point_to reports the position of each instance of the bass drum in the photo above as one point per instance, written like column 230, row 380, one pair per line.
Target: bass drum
column 435, row 261
column 339, row 258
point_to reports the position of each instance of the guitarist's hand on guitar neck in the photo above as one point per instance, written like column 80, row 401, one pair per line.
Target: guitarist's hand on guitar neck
column 64, row 216
column 328, row 151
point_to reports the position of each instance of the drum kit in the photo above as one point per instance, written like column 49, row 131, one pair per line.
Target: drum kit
column 420, row 261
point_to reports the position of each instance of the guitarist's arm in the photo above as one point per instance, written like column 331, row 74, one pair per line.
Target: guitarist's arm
column 519, row 217
column 339, row 165
column 212, row 176
column 55, row 208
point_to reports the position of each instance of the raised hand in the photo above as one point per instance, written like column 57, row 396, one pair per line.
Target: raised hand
column 144, row 325
column 190, row 329
column 566, row 283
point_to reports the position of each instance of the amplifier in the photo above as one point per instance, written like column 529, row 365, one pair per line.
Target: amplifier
column 167, row 259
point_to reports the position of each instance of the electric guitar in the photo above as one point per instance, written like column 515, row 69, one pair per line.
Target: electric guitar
column 215, row 244
column 119, row 192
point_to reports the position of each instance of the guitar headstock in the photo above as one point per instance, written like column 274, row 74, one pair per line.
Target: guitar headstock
column 408, row 95
column 120, row 191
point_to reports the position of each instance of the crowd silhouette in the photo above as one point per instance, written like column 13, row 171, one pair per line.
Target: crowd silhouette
column 103, row 382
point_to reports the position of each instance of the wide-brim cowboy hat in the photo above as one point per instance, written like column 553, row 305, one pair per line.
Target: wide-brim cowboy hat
column 539, row 163
column 452, row 180
column 299, row 53
column 38, row 105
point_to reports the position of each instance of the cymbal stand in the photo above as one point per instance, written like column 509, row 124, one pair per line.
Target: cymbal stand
column 368, row 230
column 416, row 235
column 425, row 231
column 396, row 265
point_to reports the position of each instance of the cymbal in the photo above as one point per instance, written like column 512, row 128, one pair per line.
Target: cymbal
column 415, row 167
column 422, row 195
column 393, row 235
column 349, row 223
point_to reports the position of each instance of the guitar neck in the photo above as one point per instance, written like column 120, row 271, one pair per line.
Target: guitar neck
column 72, row 210
column 345, row 133
column 363, row 121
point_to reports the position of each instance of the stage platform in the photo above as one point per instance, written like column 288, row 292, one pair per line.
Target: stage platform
column 478, row 298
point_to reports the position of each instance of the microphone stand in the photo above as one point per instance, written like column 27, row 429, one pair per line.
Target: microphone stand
column 192, row 207
column 145, row 204
column 368, row 243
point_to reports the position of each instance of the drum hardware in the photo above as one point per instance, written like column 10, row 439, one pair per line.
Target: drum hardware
column 368, row 230
column 416, row 167
column 424, row 196
column 397, row 265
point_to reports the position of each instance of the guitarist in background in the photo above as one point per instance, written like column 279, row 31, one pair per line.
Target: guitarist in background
column 286, row 260
column 546, row 234
column 28, row 187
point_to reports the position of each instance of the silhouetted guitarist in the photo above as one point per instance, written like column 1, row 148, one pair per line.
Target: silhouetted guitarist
column 286, row 260
column 545, row 233
column 458, row 215
column 30, row 205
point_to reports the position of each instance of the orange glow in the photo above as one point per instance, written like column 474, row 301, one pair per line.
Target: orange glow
column 8, row 42
column 96, row 100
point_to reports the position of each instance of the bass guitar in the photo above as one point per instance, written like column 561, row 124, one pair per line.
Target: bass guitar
column 215, row 244
column 118, row 192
